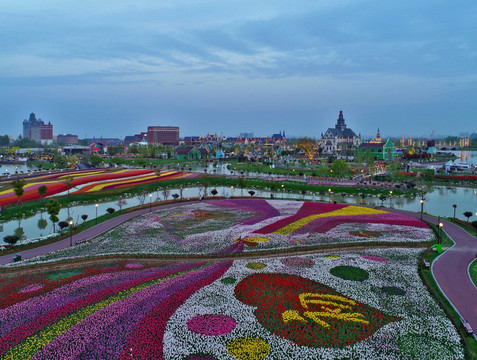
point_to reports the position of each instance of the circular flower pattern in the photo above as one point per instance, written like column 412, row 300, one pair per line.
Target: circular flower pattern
column 349, row 273
column 256, row 266
column 229, row 280
column 248, row 348
column 211, row 324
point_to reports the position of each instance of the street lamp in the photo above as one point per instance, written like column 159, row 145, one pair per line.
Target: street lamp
column 71, row 237
column 422, row 206
column 329, row 195
column 150, row 202
column 97, row 214
column 390, row 199
column 440, row 225
column 282, row 190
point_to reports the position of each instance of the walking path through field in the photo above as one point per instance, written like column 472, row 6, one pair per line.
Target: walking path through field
column 450, row 269
column 87, row 234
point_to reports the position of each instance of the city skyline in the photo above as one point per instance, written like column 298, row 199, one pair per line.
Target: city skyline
column 407, row 68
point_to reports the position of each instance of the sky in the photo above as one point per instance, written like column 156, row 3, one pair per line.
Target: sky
column 112, row 68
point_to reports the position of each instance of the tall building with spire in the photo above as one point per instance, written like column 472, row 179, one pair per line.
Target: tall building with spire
column 339, row 138
column 36, row 129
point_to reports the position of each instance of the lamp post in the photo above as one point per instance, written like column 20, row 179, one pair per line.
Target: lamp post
column 440, row 225
column 97, row 214
column 282, row 190
column 150, row 202
column 329, row 196
column 422, row 206
column 390, row 198
column 71, row 237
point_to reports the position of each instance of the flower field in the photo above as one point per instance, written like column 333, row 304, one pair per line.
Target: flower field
column 89, row 180
column 210, row 226
column 354, row 305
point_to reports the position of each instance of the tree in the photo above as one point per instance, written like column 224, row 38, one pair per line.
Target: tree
column 242, row 184
column 20, row 233
column 467, row 214
column 382, row 198
column 474, row 224
column 455, row 207
column 63, row 224
column 53, row 209
column 251, row 192
column 95, row 160
column 340, row 168
column 110, row 210
column 214, row 192
column 142, row 197
column 18, row 186
column 4, row 140
column 84, row 217
column 175, row 196
column 120, row 203
column 165, row 193
column 273, row 188
column 42, row 190
column 11, row 239
column 309, row 146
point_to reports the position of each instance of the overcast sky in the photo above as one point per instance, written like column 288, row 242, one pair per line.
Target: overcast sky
column 111, row 68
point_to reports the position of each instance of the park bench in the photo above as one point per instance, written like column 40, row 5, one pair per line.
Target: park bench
column 467, row 327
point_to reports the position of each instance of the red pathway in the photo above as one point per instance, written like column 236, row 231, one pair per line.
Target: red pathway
column 450, row 269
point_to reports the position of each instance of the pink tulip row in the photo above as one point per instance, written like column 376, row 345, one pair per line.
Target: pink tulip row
column 70, row 299
column 104, row 333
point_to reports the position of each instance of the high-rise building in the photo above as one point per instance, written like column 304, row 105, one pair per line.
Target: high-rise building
column 37, row 130
column 163, row 135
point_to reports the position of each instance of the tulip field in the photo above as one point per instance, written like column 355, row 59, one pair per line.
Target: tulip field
column 349, row 304
column 210, row 226
column 85, row 181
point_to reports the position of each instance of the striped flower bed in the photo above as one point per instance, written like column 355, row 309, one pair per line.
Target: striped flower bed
column 210, row 226
column 56, row 183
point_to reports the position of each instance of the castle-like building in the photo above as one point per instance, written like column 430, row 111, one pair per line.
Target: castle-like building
column 37, row 130
column 339, row 138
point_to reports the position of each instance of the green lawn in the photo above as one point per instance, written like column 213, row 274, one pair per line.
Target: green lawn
column 473, row 271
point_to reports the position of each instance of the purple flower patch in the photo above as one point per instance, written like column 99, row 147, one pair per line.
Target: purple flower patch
column 212, row 324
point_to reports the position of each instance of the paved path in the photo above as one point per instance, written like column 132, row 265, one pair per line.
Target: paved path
column 87, row 234
column 450, row 269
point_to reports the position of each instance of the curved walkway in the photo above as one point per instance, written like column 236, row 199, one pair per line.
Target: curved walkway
column 450, row 269
column 81, row 236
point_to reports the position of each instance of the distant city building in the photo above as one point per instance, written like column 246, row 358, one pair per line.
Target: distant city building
column 37, row 130
column 67, row 139
column 339, row 138
column 246, row 135
column 136, row 139
column 163, row 135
